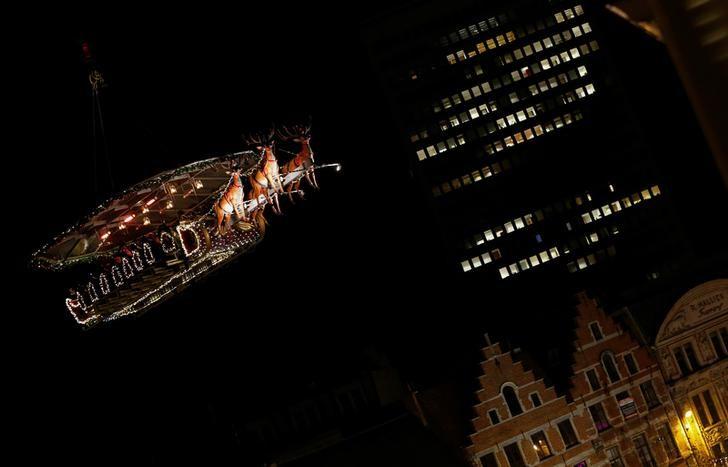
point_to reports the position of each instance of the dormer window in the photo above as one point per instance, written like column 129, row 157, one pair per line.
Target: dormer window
column 596, row 331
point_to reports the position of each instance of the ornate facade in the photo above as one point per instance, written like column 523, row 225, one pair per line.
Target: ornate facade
column 692, row 345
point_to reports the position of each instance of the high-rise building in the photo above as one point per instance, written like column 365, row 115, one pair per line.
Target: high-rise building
column 523, row 141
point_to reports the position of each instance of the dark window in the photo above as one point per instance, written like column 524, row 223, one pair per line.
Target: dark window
column 599, row 417
column 541, row 445
column 596, row 331
column 643, row 451
column 701, row 410
column 615, row 458
column 718, row 344
column 514, row 406
column 690, row 353
column 631, row 363
column 494, row 418
column 513, row 454
column 593, row 379
column 610, row 367
column 488, row 460
column 566, row 429
column 536, row 400
column 668, row 441
column 682, row 362
column 708, row 398
column 648, row 391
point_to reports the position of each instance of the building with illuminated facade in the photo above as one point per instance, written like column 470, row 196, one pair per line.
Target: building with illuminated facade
column 618, row 410
column 519, row 134
column 692, row 346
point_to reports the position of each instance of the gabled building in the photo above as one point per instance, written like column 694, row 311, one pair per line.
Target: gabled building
column 521, row 420
column 617, row 411
column 618, row 383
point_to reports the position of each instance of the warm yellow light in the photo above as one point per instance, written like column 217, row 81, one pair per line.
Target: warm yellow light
column 198, row 184
column 170, row 204
column 535, row 448
column 172, row 189
column 147, row 221
column 145, row 210
column 689, row 414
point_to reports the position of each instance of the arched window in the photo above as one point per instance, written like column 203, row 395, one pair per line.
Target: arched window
column 514, row 406
column 610, row 367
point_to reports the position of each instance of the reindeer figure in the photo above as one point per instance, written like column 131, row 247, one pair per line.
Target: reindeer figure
column 303, row 160
column 267, row 178
column 231, row 200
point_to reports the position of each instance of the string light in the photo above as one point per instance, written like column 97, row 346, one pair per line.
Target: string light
column 168, row 243
column 104, row 284
column 198, row 184
column 126, row 268
column 145, row 210
column 136, row 258
column 91, row 290
column 170, row 204
column 116, row 276
column 148, row 255
column 147, row 221
column 122, row 226
column 186, row 228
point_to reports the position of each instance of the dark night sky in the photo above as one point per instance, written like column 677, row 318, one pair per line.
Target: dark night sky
column 341, row 271
column 349, row 267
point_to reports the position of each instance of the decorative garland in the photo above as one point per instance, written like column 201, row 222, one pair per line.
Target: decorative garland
column 148, row 255
column 137, row 260
column 126, row 268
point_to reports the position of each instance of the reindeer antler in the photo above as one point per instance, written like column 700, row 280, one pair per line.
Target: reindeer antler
column 259, row 138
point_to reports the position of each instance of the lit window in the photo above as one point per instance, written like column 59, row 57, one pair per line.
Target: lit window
column 541, row 445
column 545, row 64
column 466, row 95
column 577, row 31
column 537, row 46
column 513, row 268
column 581, row 262
column 421, row 155
column 559, row 17
column 534, row 260
column 590, row 88
column 586, row 27
column 528, row 50
column 579, row 10
column 646, row 194
column 582, row 70
column 521, row 115
column 655, row 190
column 431, row 151
column 466, row 265
column 574, row 52
column 511, row 119
column 476, row 261
column 554, row 252
column 596, row 214
column 489, row 235
column 523, row 264
column 544, row 256
column 518, row 54
column 451, row 59
column 509, row 227
column 473, row 113
column 486, row 258
column 519, row 223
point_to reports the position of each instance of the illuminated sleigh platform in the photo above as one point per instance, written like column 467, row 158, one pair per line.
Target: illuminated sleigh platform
column 155, row 238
